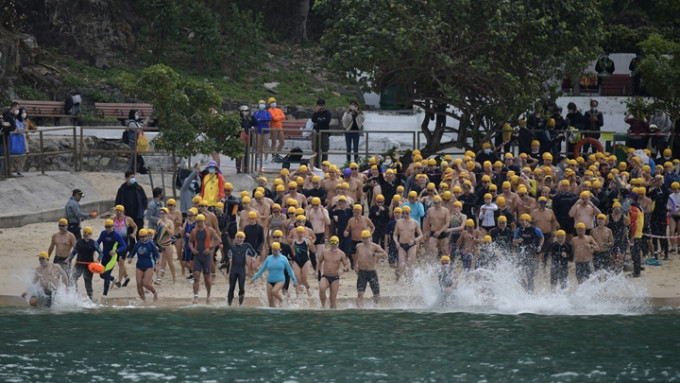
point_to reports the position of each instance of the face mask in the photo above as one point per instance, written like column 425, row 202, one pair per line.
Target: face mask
column 132, row 181
column 245, row 113
column 273, row 105
column 261, row 106
column 321, row 108
column 353, row 107
column 136, row 117
column 593, row 109
column 23, row 115
column 487, row 151
column 16, row 112
column 211, row 170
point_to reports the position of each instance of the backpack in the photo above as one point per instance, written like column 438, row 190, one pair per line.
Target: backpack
column 72, row 104
column 295, row 154
column 126, row 137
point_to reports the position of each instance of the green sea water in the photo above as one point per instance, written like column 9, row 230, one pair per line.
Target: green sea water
column 219, row 344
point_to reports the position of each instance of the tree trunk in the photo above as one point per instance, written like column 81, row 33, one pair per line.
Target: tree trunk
column 299, row 29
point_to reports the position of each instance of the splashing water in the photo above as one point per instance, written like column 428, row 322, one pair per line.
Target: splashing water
column 500, row 291
column 63, row 299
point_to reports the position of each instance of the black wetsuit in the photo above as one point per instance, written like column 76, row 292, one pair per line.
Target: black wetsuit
column 237, row 254
column 559, row 265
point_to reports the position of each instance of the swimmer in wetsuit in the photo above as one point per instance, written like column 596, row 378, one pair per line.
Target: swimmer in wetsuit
column 237, row 253
column 275, row 263
column 328, row 264
column 148, row 256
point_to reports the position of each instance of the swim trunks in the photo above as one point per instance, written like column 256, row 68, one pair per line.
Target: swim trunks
column 370, row 276
column 320, row 238
column 331, row 279
column 406, row 246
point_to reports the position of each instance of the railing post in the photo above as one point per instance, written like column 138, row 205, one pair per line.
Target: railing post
column 42, row 153
column 75, row 150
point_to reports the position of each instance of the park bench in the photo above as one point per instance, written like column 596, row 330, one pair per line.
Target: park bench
column 45, row 109
column 121, row 110
column 295, row 126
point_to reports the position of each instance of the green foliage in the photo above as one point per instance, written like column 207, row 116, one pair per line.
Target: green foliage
column 244, row 35
column 183, row 107
column 205, row 33
column 164, row 16
column 660, row 70
column 26, row 92
column 481, row 63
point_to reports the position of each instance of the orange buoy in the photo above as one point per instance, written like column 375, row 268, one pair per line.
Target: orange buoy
column 588, row 140
column 94, row 214
column 96, row 268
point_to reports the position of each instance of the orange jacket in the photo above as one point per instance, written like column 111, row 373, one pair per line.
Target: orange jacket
column 277, row 116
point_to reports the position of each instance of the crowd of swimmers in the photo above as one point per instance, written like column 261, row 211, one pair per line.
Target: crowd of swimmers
column 313, row 224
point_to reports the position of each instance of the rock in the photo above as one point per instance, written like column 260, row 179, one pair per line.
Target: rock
column 336, row 94
column 270, row 87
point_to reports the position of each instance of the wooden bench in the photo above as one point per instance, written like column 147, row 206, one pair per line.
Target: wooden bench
column 617, row 85
column 296, row 129
column 45, row 109
column 122, row 110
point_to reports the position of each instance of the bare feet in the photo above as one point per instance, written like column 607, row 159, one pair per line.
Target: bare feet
column 195, row 299
column 155, row 296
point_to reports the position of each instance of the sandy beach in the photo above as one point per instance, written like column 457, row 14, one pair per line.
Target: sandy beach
column 19, row 247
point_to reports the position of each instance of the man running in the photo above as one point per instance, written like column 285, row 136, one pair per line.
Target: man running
column 62, row 241
column 328, row 264
column 49, row 276
column 202, row 242
column 364, row 264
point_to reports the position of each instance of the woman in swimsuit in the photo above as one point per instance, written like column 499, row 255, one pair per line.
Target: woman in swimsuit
column 146, row 260
column 275, row 263
column 302, row 265
column 188, row 227
column 177, row 220
column 276, row 220
column 166, row 229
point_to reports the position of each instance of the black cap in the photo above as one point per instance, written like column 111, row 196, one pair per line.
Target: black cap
column 321, row 101
column 77, row 191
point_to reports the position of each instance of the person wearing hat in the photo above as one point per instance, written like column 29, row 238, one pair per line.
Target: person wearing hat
column 113, row 245
column 321, row 120
column 203, row 241
column 583, row 246
column 468, row 242
column 62, row 243
column 407, row 235
column 263, row 117
column 618, row 223
column 276, row 126
column 147, row 258
column 187, row 227
column 366, row 257
column 447, row 278
column 584, row 211
column 73, row 213
column 275, row 263
column 47, row 278
column 236, row 256
column 636, row 217
column 355, row 226
column 126, row 227
column 248, row 122
column 560, row 253
column 353, row 123
column 659, row 195
column 544, row 219
column 84, row 249
column 212, row 184
column 328, row 266
column 502, row 236
column 340, row 215
column 529, row 240
column 604, row 238
column 486, row 154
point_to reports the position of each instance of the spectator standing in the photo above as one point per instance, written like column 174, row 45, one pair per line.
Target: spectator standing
column 593, row 122
column 248, row 122
column 353, row 122
column 637, row 130
column 276, row 126
column 22, row 132
column 135, row 128
column 9, row 125
column 577, row 121
column 262, row 116
column 133, row 198
column 154, row 208
column 321, row 120
column 663, row 125
column 73, row 213
column 604, row 67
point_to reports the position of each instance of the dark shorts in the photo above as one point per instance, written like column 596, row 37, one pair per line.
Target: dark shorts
column 320, row 238
column 406, row 247
column 354, row 246
column 440, row 236
column 676, row 218
column 45, row 299
column 331, row 279
column 370, row 277
column 202, row 263
column 582, row 270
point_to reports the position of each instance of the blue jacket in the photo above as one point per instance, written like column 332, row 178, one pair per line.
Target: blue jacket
column 148, row 253
column 263, row 117
column 109, row 241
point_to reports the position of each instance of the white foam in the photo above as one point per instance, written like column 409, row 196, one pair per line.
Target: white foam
column 499, row 291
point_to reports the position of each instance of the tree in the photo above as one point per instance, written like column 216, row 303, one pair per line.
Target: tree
column 165, row 17
column 185, row 112
column 660, row 70
column 480, row 63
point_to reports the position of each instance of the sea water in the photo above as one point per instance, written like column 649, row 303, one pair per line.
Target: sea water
column 489, row 330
